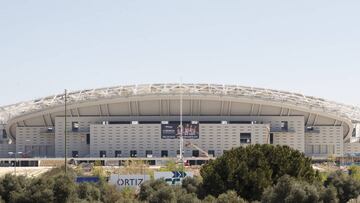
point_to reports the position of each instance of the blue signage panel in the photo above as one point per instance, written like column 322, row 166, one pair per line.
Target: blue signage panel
column 91, row 179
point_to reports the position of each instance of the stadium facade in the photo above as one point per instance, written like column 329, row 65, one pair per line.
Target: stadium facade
column 142, row 120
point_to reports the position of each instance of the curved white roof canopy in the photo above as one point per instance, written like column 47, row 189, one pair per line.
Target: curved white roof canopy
column 308, row 102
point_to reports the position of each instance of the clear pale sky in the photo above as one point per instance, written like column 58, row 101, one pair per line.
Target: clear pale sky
column 308, row 46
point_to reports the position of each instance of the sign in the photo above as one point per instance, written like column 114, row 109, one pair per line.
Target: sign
column 172, row 131
column 172, row 177
column 122, row 181
column 91, row 179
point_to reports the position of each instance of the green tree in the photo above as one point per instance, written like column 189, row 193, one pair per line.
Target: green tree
column 329, row 195
column 191, row 185
column 290, row 190
column 40, row 190
column 354, row 172
column 64, row 188
column 152, row 188
column 209, row 199
column 229, row 197
column 250, row 170
column 89, row 192
column 11, row 184
column 109, row 193
column 347, row 187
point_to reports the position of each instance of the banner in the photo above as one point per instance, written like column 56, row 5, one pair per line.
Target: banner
column 122, row 181
column 172, row 131
column 172, row 177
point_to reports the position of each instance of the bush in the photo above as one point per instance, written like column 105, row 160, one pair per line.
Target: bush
column 229, row 197
column 289, row 190
column 249, row 171
column 347, row 187
column 191, row 185
column 89, row 192
column 12, row 185
column 64, row 188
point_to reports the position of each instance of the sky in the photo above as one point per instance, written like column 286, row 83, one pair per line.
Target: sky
column 309, row 46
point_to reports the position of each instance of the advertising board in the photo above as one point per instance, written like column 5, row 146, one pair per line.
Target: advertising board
column 172, row 177
column 172, row 131
column 122, row 181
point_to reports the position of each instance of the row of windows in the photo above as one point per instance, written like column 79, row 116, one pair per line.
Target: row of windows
column 148, row 153
column 320, row 149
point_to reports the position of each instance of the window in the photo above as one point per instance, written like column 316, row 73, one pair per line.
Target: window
column 164, row 153
column 75, row 126
column 177, row 153
column 148, row 153
column 271, row 138
column 4, row 136
column 102, row 153
column 105, row 122
column 211, row 153
column 284, row 125
column 75, row 154
column 245, row 138
column 50, row 129
column 354, row 132
column 88, row 138
column 117, row 153
column 133, row 153
column 316, row 149
column 195, row 153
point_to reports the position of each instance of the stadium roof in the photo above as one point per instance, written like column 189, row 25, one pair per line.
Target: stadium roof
column 312, row 103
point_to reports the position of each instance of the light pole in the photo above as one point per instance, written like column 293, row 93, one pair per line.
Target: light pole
column 65, row 149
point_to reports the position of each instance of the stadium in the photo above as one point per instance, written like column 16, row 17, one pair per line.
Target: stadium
column 142, row 121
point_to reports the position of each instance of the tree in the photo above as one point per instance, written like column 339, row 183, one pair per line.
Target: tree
column 229, row 197
column 64, row 188
column 188, row 198
column 191, row 185
column 347, row 187
column 40, row 190
column 290, row 190
column 250, row 170
column 109, row 193
column 329, row 195
column 209, row 199
column 156, row 190
column 354, row 172
column 88, row 192
column 11, row 184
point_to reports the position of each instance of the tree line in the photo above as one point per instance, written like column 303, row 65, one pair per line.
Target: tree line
column 257, row 173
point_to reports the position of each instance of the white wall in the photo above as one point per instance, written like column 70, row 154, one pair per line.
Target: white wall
column 142, row 137
column 328, row 141
column 35, row 141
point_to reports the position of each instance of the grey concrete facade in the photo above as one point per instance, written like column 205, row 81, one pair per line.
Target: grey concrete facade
column 94, row 135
